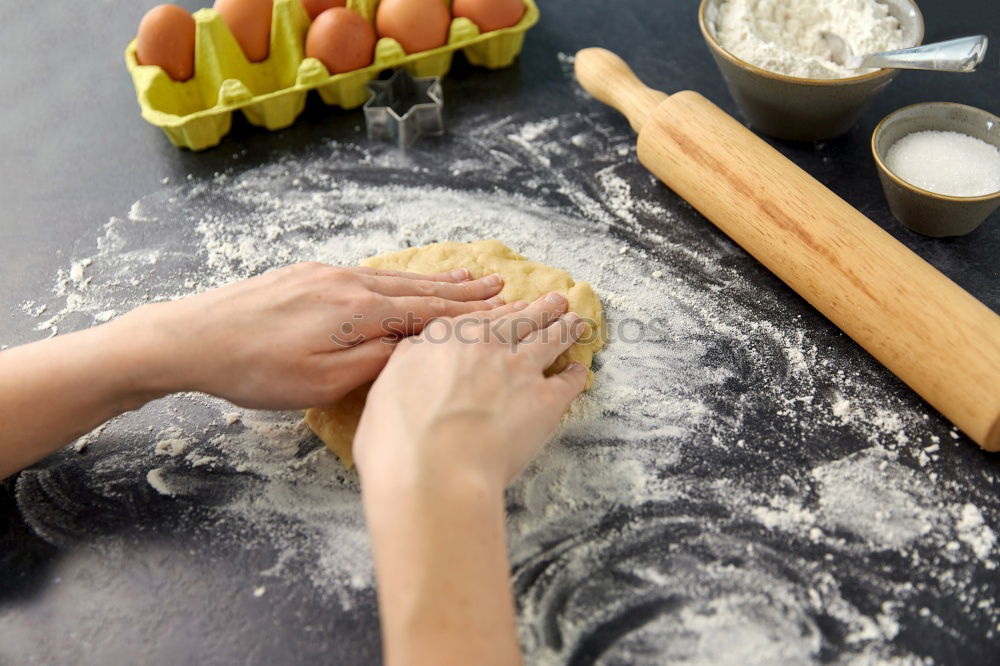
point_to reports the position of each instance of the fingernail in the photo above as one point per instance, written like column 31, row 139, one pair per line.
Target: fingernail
column 555, row 298
column 579, row 328
column 460, row 274
column 575, row 367
column 495, row 301
column 491, row 280
column 520, row 305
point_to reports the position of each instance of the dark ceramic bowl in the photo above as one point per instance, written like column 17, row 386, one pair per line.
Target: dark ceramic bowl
column 925, row 212
column 797, row 109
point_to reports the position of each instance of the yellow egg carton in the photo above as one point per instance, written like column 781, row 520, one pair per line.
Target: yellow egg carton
column 197, row 113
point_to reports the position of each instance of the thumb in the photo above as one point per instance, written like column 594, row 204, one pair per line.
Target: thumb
column 347, row 369
column 569, row 383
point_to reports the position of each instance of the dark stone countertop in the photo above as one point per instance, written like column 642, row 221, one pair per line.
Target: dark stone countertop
column 97, row 567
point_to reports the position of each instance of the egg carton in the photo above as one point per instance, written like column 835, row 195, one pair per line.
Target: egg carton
column 197, row 113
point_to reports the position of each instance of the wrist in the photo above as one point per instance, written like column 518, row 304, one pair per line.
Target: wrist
column 460, row 450
column 427, row 484
column 439, row 541
column 151, row 364
column 427, row 467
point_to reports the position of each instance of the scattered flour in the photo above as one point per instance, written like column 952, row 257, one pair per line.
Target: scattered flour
column 172, row 442
column 155, row 478
column 81, row 444
column 172, row 447
column 715, row 498
column 898, row 503
column 975, row 533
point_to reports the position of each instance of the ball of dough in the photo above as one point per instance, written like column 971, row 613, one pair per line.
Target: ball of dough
column 524, row 280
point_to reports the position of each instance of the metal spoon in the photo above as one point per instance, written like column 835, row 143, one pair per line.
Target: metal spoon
column 955, row 55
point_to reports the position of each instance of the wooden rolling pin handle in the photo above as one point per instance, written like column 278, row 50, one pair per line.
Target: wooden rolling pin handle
column 923, row 327
column 609, row 79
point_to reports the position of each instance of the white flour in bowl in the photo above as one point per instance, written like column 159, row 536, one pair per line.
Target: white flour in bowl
column 785, row 36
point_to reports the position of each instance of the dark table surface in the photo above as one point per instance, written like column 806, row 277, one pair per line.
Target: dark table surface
column 734, row 544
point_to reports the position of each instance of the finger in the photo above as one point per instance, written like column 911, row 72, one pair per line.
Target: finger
column 408, row 315
column 546, row 346
column 499, row 310
column 473, row 290
column 346, row 369
column 568, row 384
column 454, row 275
column 560, row 391
column 540, row 314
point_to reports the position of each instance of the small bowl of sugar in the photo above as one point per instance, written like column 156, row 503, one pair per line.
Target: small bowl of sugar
column 782, row 72
column 939, row 164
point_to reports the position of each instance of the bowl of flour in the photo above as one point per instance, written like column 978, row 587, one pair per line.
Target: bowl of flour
column 779, row 68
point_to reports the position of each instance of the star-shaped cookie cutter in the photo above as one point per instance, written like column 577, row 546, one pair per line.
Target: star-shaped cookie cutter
column 403, row 108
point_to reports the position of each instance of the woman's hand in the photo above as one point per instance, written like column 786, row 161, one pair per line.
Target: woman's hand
column 304, row 335
column 455, row 415
column 293, row 338
column 469, row 394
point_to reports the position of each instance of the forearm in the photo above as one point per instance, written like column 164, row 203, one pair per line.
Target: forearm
column 53, row 391
column 442, row 568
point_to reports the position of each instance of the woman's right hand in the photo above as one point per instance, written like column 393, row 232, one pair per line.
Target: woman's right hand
column 469, row 394
column 455, row 415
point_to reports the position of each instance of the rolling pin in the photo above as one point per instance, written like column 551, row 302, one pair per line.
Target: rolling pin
column 923, row 327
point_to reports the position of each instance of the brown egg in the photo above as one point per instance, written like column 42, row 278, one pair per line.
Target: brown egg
column 342, row 40
column 166, row 39
column 250, row 23
column 316, row 7
column 489, row 14
column 418, row 25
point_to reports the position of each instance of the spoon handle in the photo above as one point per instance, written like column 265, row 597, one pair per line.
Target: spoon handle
column 955, row 55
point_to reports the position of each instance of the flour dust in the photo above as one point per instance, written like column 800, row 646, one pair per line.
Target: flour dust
column 741, row 486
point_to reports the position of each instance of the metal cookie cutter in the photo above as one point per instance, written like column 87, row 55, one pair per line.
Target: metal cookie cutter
column 404, row 108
